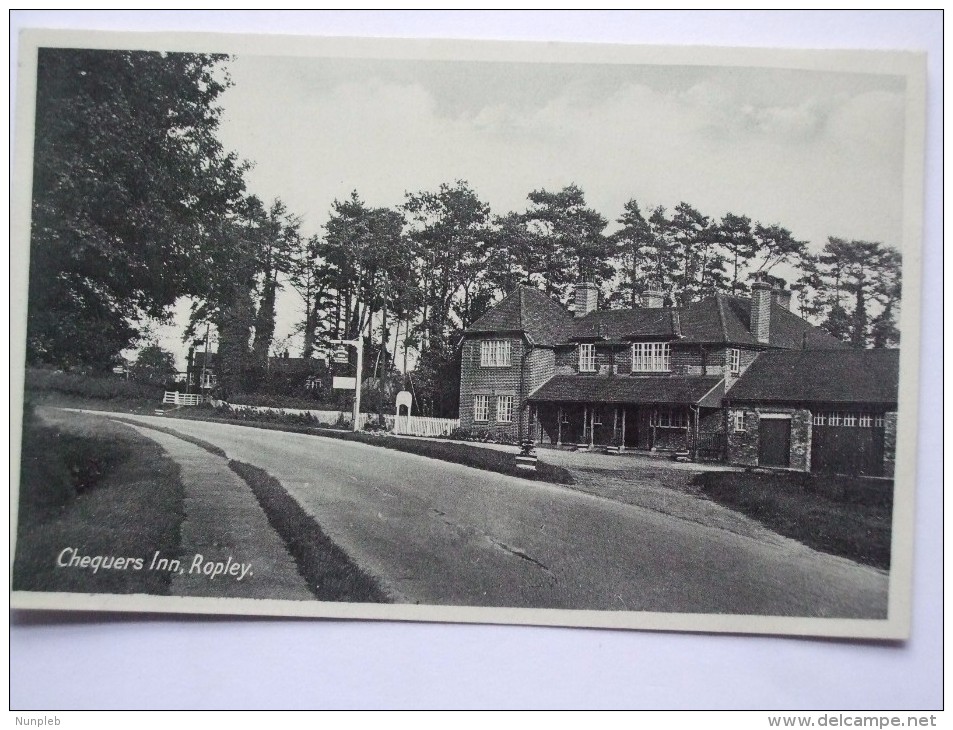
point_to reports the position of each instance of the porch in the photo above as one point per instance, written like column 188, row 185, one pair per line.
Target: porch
column 651, row 414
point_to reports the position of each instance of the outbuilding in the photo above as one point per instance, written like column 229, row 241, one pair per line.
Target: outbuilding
column 832, row 411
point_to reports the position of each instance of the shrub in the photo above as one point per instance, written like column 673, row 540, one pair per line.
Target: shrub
column 97, row 387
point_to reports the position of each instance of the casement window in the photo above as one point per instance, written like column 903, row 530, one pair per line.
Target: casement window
column 739, row 418
column 481, row 408
column 587, row 358
column 848, row 419
column 734, row 361
column 504, row 409
column 495, row 353
column 651, row 357
column 670, row 418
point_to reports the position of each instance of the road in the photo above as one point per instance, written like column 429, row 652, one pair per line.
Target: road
column 439, row 533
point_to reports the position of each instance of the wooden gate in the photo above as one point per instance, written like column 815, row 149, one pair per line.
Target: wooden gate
column 774, row 442
column 847, row 450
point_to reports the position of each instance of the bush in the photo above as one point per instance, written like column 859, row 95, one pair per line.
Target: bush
column 99, row 387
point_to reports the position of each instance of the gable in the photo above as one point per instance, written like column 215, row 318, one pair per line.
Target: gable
column 525, row 310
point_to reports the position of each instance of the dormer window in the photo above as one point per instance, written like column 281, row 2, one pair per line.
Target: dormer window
column 495, row 353
column 734, row 361
column 651, row 357
column 587, row 358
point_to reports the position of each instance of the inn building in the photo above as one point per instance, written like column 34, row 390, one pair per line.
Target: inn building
column 737, row 379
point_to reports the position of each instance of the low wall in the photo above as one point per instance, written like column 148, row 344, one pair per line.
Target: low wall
column 402, row 425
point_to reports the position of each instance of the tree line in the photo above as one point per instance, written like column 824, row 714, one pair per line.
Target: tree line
column 137, row 204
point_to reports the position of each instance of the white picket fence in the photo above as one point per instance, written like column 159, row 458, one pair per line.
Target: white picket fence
column 421, row 425
column 400, row 425
column 182, row 399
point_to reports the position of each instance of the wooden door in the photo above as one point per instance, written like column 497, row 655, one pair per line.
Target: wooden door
column 847, row 450
column 774, row 443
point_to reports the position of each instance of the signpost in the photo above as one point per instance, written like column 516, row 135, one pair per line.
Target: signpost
column 354, row 382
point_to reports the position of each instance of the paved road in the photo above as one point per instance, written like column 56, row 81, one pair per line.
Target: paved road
column 442, row 533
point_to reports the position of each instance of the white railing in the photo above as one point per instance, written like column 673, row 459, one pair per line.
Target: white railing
column 182, row 399
column 401, row 425
column 422, row 425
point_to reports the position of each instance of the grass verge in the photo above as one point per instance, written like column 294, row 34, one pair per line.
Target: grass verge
column 501, row 462
column 853, row 524
column 100, row 489
column 330, row 574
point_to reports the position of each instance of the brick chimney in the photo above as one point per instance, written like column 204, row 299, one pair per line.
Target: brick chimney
column 761, row 296
column 587, row 298
column 782, row 296
column 653, row 299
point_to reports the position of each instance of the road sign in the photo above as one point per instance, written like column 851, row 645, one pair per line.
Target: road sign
column 340, row 383
column 340, row 356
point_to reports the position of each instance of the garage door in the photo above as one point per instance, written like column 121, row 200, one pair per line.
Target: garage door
column 774, row 443
column 847, row 450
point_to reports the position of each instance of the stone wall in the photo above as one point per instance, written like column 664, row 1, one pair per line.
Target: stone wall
column 890, row 443
column 743, row 445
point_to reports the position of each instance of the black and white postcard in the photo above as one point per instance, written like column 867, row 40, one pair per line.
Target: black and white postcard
column 490, row 332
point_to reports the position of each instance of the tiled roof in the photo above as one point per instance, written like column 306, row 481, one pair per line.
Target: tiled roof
column 617, row 324
column 624, row 389
column 787, row 329
column 717, row 319
column 526, row 310
column 820, row 376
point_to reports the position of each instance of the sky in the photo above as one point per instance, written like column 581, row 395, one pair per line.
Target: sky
column 820, row 153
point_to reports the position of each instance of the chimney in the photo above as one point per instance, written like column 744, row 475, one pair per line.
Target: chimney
column 653, row 299
column 587, row 298
column 761, row 296
column 782, row 297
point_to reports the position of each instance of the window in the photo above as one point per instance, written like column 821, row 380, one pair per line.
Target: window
column 587, row 358
column 495, row 353
column 740, row 420
column 670, row 418
column 734, row 361
column 651, row 357
column 481, row 408
column 504, row 409
column 848, row 418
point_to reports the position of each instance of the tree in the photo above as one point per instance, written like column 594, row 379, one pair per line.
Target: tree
column 634, row 242
column 852, row 278
column 128, row 182
column 153, row 365
column 734, row 235
column 566, row 240
column 775, row 245
column 279, row 234
column 449, row 230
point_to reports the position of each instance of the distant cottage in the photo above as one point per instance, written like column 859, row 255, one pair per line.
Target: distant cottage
column 726, row 378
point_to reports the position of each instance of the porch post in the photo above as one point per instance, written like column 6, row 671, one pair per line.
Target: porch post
column 654, row 418
column 585, row 422
column 622, row 445
column 592, row 427
column 615, row 422
column 559, row 426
